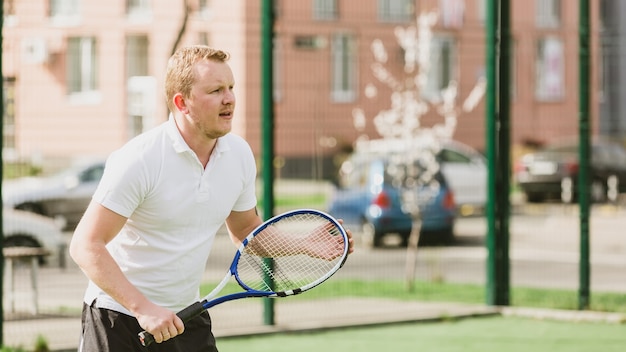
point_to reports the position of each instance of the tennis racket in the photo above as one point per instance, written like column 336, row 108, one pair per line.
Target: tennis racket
column 286, row 255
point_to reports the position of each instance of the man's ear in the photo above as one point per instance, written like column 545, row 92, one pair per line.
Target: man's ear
column 179, row 102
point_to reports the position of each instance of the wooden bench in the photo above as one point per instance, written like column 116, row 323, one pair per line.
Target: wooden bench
column 15, row 254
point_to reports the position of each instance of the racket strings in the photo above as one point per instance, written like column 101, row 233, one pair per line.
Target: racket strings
column 293, row 253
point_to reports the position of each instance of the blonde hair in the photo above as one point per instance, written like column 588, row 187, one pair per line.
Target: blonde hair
column 179, row 76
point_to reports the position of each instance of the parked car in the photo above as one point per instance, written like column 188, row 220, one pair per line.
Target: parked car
column 368, row 202
column 25, row 229
column 552, row 172
column 63, row 196
column 465, row 170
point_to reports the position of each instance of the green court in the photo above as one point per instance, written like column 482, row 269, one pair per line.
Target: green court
column 487, row 334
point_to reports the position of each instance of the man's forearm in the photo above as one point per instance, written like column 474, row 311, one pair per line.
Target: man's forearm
column 98, row 265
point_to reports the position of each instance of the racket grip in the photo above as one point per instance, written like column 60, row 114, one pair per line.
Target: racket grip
column 185, row 315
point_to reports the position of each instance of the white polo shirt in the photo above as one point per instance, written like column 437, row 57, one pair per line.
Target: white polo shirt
column 174, row 208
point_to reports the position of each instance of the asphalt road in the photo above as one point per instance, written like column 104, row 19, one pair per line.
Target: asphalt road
column 544, row 242
column 544, row 252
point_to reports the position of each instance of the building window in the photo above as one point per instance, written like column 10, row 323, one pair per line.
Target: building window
column 9, row 13
column 548, row 13
column 396, row 10
column 203, row 38
column 603, row 74
column 324, row 10
column 141, row 100
column 278, row 64
column 140, row 86
column 138, row 8
column 82, row 65
column 605, row 19
column 344, row 70
column 481, row 8
column 513, row 69
column 204, row 10
column 9, row 116
column 442, row 66
column 451, row 13
column 550, row 67
column 137, row 55
column 277, row 10
column 64, row 12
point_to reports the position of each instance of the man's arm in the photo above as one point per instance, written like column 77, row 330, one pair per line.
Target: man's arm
column 241, row 223
column 98, row 227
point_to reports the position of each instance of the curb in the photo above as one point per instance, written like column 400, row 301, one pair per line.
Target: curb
column 565, row 315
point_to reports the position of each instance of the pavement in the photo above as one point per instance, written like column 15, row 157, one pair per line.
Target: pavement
column 245, row 317
column 58, row 319
column 60, row 292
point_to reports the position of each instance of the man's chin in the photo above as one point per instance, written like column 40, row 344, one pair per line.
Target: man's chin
column 219, row 133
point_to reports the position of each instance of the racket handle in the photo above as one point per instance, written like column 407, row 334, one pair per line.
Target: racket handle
column 185, row 315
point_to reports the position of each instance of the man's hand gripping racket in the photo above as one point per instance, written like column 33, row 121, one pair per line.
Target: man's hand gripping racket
column 286, row 255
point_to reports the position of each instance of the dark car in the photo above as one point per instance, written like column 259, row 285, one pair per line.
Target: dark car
column 63, row 196
column 552, row 172
column 368, row 201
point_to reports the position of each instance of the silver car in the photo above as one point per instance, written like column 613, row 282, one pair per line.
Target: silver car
column 63, row 196
column 25, row 229
column 465, row 169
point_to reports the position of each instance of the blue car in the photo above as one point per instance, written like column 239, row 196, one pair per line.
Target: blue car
column 368, row 202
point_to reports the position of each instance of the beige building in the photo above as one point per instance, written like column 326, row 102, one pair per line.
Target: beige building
column 82, row 77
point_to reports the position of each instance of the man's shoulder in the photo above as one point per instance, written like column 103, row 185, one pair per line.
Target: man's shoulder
column 147, row 140
column 236, row 140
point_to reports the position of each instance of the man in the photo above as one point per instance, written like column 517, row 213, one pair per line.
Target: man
column 144, row 240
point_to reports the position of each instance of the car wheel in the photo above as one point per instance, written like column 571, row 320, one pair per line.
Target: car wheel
column 448, row 236
column 598, row 191
column 31, row 207
column 404, row 239
column 612, row 188
column 23, row 241
column 534, row 197
column 371, row 238
column 567, row 190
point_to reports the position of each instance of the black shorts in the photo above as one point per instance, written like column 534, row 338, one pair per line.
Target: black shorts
column 106, row 330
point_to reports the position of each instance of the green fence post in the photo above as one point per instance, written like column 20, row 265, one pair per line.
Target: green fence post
column 583, row 150
column 1, row 177
column 498, row 150
column 267, row 117
column 490, row 111
column 503, row 151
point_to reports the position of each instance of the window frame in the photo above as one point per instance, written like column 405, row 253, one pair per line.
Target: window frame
column 548, row 13
column 82, row 69
column 543, row 78
column 432, row 91
column 138, row 9
column 64, row 13
column 9, row 137
column 325, row 10
column 344, row 67
column 390, row 11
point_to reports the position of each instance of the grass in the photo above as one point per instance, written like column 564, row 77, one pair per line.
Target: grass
column 314, row 200
column 19, row 169
column 487, row 334
column 450, row 292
